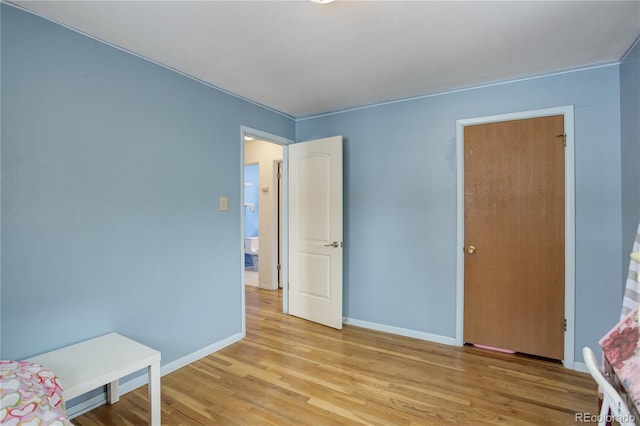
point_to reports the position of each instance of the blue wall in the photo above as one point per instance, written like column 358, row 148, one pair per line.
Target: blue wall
column 1, row 102
column 400, row 198
column 112, row 167
column 251, row 195
column 630, row 148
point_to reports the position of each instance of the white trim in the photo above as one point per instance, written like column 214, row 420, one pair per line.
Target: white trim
column 462, row 89
column 569, row 300
column 285, row 229
column 630, row 49
column 90, row 404
column 142, row 379
column 279, row 140
column 122, row 49
column 401, row 331
column 580, row 366
column 199, row 354
column 296, row 119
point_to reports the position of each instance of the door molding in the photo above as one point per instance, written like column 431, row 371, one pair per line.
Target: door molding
column 279, row 140
column 569, row 184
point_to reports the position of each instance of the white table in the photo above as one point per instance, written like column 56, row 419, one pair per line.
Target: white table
column 102, row 361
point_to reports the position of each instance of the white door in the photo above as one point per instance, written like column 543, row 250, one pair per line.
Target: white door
column 315, row 231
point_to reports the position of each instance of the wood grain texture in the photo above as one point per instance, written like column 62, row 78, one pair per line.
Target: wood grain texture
column 289, row 371
column 514, row 215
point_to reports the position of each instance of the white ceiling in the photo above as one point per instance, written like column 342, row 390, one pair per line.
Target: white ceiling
column 302, row 58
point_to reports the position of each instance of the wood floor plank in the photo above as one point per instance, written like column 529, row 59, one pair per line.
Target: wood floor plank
column 288, row 371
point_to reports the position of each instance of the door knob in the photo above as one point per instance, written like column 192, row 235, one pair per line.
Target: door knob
column 471, row 249
column 333, row 244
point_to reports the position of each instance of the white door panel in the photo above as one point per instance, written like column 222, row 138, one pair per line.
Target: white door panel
column 315, row 231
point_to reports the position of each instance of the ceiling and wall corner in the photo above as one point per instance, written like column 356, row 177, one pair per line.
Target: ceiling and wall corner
column 303, row 59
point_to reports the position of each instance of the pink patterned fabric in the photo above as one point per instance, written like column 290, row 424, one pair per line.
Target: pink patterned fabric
column 30, row 395
column 621, row 347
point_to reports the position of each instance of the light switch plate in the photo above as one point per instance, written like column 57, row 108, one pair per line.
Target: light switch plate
column 224, row 204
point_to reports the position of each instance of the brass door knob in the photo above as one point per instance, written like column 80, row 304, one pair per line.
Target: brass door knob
column 471, row 249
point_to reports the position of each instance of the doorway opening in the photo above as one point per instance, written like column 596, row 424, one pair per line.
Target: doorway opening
column 261, row 212
column 251, row 223
column 263, row 186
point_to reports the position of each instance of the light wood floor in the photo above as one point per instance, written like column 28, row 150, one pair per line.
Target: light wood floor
column 291, row 372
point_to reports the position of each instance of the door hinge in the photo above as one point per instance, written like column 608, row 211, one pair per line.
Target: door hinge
column 279, row 267
column 565, row 324
column 564, row 138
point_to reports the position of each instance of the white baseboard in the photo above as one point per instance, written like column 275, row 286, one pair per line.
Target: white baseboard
column 577, row 366
column 87, row 405
column 139, row 381
column 185, row 360
column 401, row 331
column 580, row 366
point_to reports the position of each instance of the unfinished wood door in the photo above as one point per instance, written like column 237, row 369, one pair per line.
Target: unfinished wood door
column 514, row 235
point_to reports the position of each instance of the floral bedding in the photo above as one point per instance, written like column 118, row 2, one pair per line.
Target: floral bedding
column 30, row 394
column 621, row 347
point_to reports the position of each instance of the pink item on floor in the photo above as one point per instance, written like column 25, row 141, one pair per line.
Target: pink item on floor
column 491, row 348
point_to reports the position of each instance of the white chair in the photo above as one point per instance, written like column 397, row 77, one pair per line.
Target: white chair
column 611, row 398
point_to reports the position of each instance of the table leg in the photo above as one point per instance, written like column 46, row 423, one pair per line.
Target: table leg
column 113, row 392
column 154, row 394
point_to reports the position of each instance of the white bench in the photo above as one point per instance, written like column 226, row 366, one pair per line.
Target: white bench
column 102, row 361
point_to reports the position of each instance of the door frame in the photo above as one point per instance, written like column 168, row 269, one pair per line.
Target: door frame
column 284, row 142
column 569, row 213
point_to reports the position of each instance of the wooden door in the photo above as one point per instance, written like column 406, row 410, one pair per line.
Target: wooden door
column 315, row 231
column 514, row 235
